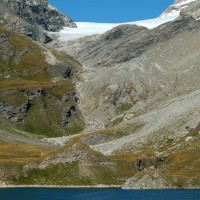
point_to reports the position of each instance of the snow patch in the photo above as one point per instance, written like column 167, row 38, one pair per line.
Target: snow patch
column 171, row 13
column 50, row 58
column 184, row 3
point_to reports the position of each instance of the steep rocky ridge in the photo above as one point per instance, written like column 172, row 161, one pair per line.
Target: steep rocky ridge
column 33, row 18
column 12, row 22
column 178, row 6
column 39, row 13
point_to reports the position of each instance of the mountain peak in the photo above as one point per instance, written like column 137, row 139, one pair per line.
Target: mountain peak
column 33, row 18
column 39, row 13
column 177, row 6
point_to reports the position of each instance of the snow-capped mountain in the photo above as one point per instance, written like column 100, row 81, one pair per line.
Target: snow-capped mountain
column 91, row 28
column 175, row 8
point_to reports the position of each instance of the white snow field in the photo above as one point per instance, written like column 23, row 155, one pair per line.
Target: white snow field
column 184, row 3
column 91, row 28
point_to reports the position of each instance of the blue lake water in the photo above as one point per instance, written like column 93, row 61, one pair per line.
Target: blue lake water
column 96, row 194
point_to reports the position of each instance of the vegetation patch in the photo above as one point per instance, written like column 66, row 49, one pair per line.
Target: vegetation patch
column 14, row 98
column 123, row 107
column 19, row 154
column 60, row 174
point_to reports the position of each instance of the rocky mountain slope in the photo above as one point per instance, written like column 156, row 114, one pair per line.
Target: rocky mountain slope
column 33, row 18
column 38, row 98
column 144, row 82
column 36, row 85
column 139, row 68
column 128, row 101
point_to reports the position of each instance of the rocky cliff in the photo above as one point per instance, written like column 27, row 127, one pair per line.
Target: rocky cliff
column 33, row 18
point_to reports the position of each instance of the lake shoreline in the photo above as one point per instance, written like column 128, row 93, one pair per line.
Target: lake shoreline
column 60, row 186
column 87, row 187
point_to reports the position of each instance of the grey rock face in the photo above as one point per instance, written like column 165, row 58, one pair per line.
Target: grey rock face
column 12, row 22
column 67, row 115
column 18, row 114
column 32, row 18
column 39, row 13
column 150, row 180
column 192, row 11
column 14, row 114
column 141, row 164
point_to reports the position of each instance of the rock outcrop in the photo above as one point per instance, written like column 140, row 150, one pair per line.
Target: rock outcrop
column 147, row 181
column 14, row 114
column 77, row 152
column 192, row 11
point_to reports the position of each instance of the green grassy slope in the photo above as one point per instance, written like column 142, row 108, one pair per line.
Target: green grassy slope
column 25, row 67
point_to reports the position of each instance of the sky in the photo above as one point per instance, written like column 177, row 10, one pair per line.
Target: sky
column 111, row 11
